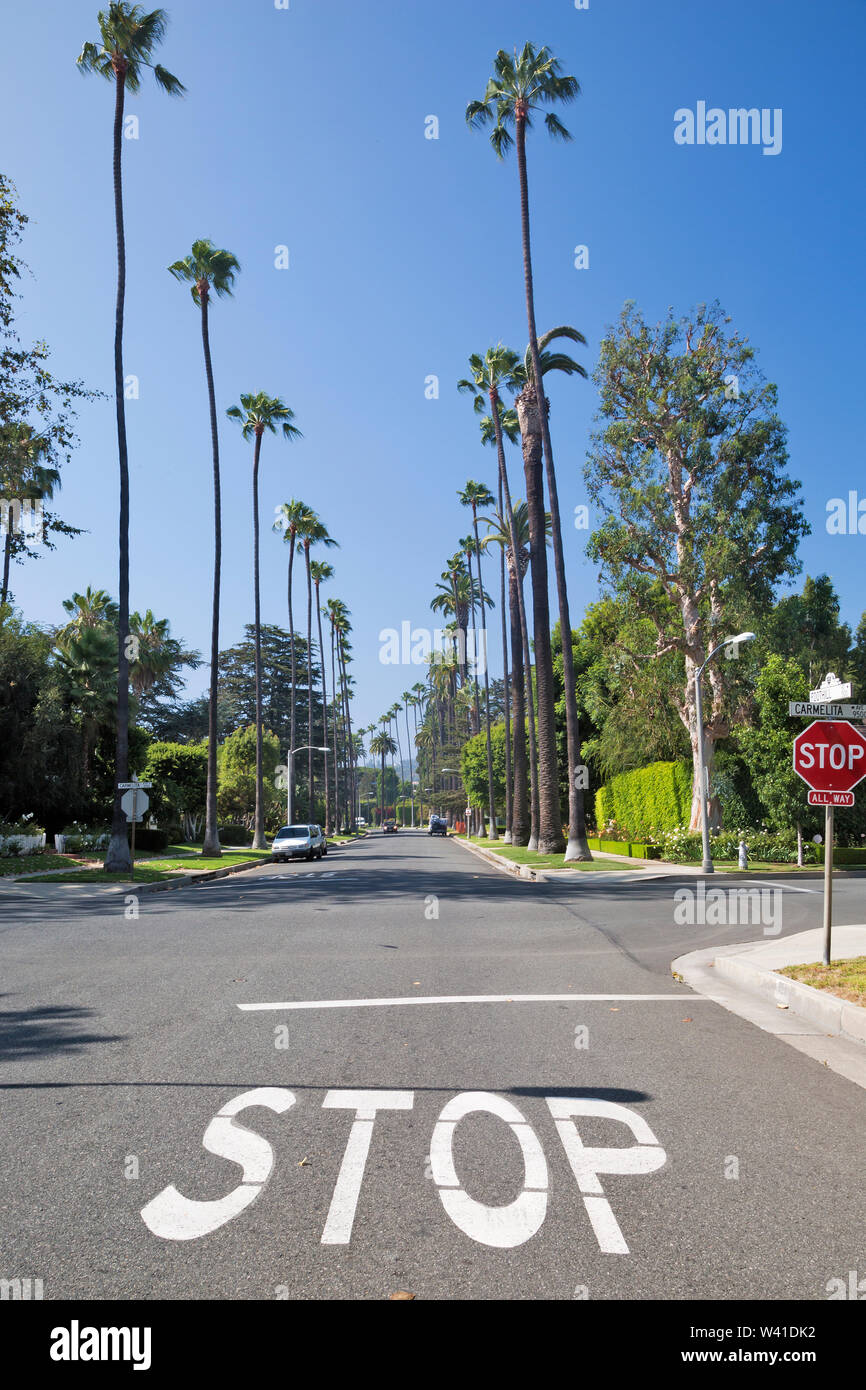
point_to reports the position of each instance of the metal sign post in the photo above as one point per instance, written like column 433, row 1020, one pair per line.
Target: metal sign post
column 828, row 882
column 830, row 756
column 131, row 809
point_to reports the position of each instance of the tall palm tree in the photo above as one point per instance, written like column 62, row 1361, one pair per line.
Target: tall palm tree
column 312, row 531
column 496, row 371
column 207, row 269
column 521, row 84
column 533, row 430
column 475, row 495
column 255, row 414
column 93, row 608
column 157, row 652
column 382, row 745
column 467, row 549
column 408, row 702
column 524, row 713
column 127, row 38
column 321, row 572
column 293, row 516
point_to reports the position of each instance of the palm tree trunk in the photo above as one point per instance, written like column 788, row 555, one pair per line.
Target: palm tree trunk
column 294, row 669
column 535, row 814
column 118, row 858
column 409, row 751
column 520, row 825
column 309, row 681
column 211, row 845
column 324, row 711
column 577, row 847
column 259, row 830
column 335, row 722
column 550, row 837
column 494, row 831
column 476, row 688
column 506, row 692
column 350, row 746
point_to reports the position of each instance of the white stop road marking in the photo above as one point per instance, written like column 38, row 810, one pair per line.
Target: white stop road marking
column 172, row 1216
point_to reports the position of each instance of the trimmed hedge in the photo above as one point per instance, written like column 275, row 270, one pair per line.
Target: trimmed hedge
column 648, row 801
column 149, row 839
column 625, row 847
column 841, row 855
column 235, row 834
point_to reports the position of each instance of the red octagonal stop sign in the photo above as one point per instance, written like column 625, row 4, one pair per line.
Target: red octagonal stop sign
column 830, row 755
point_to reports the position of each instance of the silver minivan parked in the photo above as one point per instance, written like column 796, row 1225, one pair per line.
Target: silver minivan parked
column 296, row 842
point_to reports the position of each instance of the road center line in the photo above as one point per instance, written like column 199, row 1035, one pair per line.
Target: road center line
column 474, row 999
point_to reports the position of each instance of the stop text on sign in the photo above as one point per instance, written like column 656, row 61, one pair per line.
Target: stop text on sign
column 172, row 1216
column 830, row 755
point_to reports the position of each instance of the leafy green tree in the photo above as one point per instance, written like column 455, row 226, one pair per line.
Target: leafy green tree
column 700, row 519
column 256, row 414
column 768, row 748
column 207, row 270
column 40, row 738
column 857, row 662
column 128, row 36
column 36, row 409
column 178, row 772
column 237, row 779
column 806, row 627
column 237, row 684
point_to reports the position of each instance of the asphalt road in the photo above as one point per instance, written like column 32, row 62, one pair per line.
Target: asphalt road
column 480, row 1159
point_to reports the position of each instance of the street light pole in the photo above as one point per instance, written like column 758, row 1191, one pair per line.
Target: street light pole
column 703, row 790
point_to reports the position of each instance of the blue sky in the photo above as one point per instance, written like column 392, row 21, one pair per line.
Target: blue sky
column 306, row 127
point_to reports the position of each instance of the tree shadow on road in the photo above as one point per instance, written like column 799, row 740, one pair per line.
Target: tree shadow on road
column 47, row 1030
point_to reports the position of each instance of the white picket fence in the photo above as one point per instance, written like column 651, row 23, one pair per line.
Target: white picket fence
column 27, row 844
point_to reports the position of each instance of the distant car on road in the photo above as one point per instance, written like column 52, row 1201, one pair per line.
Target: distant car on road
column 360, row 823
column 297, row 842
column 389, row 828
column 438, row 826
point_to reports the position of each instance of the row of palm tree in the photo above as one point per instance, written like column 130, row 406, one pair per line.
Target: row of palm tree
column 521, row 85
column 128, row 38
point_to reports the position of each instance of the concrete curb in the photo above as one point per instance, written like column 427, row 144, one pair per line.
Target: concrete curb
column 827, row 1011
column 749, row 967
column 515, row 870
column 170, row 884
column 525, row 871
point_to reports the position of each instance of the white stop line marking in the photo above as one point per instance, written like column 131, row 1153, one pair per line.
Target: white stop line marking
column 479, row 999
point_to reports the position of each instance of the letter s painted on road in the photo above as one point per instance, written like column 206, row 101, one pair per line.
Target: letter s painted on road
column 175, row 1217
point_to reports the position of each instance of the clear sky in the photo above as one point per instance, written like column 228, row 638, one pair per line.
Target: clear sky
column 305, row 127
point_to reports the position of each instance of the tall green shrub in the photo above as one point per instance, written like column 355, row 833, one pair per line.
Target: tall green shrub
column 647, row 801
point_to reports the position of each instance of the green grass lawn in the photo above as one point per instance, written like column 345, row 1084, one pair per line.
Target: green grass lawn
column 31, row 863
column 518, row 855
column 154, row 870
column 846, row 978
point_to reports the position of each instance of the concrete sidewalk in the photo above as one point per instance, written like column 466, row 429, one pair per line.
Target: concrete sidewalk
column 646, row 868
column 743, row 979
